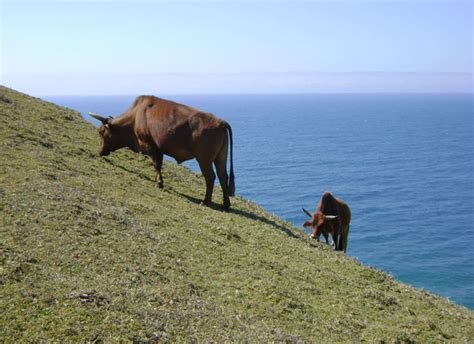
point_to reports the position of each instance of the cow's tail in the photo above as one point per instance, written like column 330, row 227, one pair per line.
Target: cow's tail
column 231, row 185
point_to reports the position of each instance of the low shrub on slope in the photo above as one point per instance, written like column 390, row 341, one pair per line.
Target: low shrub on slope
column 91, row 250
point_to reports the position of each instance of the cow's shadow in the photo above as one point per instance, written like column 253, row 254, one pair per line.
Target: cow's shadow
column 213, row 205
column 242, row 213
column 129, row 170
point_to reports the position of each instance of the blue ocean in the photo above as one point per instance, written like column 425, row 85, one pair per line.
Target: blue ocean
column 403, row 163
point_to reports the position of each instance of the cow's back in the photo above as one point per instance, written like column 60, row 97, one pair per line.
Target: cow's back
column 165, row 116
column 176, row 129
column 328, row 204
column 344, row 211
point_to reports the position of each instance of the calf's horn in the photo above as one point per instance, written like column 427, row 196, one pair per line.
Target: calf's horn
column 307, row 212
column 331, row 217
column 103, row 119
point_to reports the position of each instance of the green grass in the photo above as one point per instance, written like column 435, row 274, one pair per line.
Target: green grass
column 91, row 250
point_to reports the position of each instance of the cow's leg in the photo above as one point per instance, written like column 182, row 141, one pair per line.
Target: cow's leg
column 210, row 176
column 335, row 240
column 222, row 175
column 221, row 169
column 157, row 158
column 340, row 241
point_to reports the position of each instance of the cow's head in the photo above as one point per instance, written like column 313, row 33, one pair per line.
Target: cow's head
column 318, row 222
column 111, row 140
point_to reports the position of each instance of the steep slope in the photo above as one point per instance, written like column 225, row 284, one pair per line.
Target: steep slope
column 91, row 250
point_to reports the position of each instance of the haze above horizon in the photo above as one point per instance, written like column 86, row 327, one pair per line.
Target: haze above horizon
column 97, row 48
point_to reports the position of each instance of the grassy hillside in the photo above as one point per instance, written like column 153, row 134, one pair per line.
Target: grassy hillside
column 91, row 250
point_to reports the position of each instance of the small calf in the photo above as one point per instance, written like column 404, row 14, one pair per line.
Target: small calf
column 332, row 216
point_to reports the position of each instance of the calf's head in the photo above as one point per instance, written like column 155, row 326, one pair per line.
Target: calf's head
column 111, row 140
column 318, row 222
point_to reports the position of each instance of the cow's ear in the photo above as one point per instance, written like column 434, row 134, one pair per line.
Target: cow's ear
column 307, row 224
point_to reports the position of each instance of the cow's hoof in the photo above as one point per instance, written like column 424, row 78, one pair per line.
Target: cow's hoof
column 226, row 207
column 159, row 185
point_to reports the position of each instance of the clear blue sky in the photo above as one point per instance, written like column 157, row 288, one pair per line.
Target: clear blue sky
column 92, row 47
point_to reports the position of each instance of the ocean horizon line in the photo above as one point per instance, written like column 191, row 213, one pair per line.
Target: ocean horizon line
column 382, row 93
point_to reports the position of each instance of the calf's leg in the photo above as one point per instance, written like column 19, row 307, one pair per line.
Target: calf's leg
column 326, row 237
column 336, row 240
column 345, row 237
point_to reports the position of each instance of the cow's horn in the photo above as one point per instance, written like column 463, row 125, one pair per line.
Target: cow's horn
column 103, row 119
column 331, row 217
column 307, row 212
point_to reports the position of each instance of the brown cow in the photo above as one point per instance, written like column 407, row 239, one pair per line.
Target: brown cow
column 155, row 126
column 332, row 216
